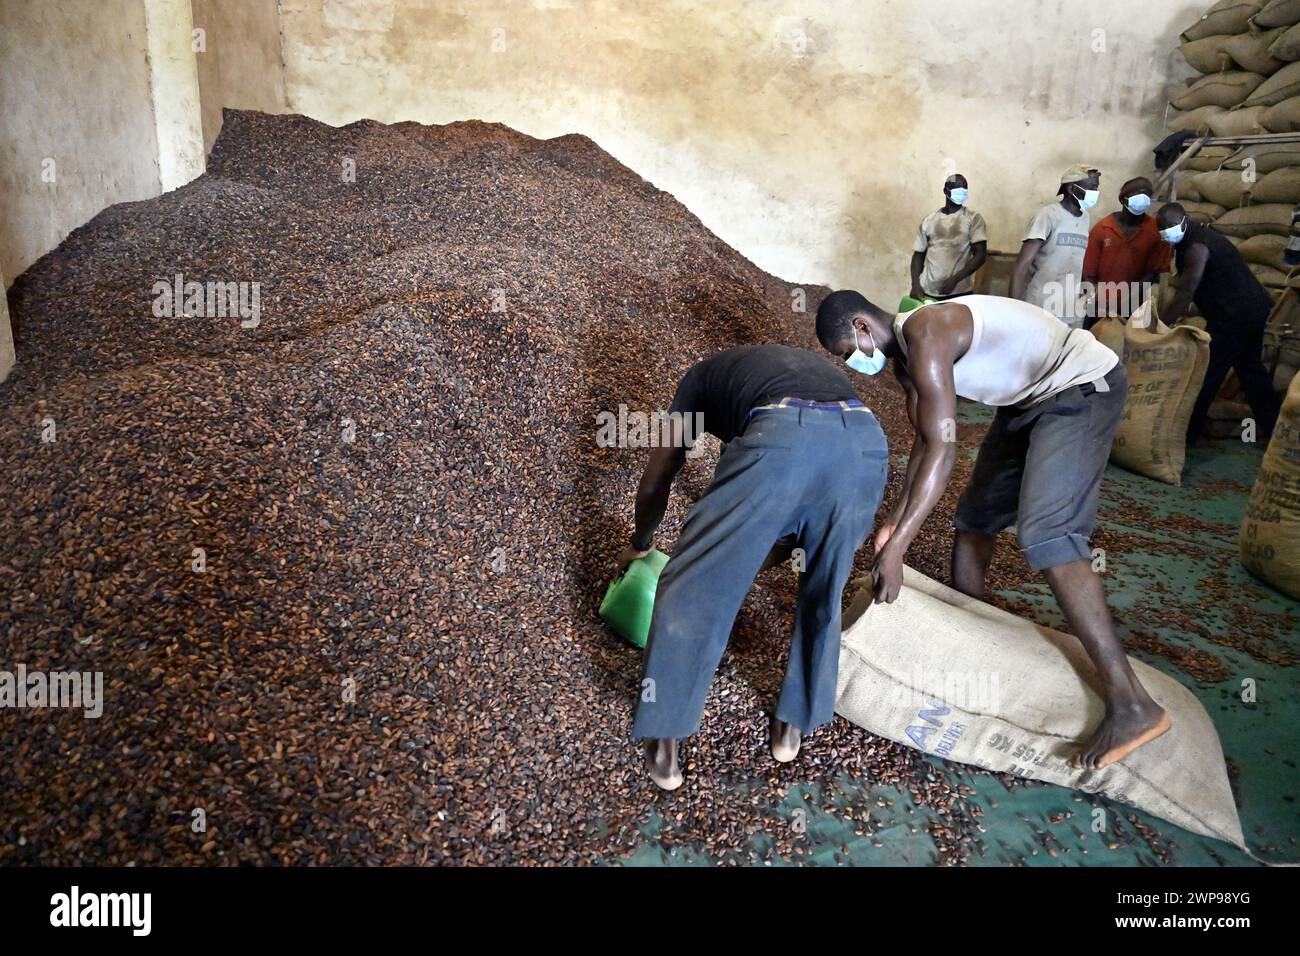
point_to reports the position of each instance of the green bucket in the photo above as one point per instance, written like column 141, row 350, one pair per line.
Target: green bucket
column 630, row 598
column 907, row 303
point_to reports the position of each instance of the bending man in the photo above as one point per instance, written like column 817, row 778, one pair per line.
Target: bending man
column 804, row 467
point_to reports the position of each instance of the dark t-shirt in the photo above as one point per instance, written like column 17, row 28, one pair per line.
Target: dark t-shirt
column 1229, row 291
column 725, row 387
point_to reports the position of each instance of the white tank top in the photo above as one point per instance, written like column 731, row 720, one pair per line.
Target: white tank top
column 1019, row 354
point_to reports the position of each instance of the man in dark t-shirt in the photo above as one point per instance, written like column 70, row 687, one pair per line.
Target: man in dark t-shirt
column 1212, row 274
column 804, row 465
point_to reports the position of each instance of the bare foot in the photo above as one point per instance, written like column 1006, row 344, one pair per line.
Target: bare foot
column 1119, row 734
column 661, row 761
column 785, row 741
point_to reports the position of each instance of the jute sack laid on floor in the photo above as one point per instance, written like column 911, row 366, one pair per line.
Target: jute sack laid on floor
column 1251, row 51
column 1207, row 55
column 1194, row 121
column 1242, row 121
column 1270, row 532
column 1218, row 89
column 1209, row 158
column 951, row 676
column 1270, row 217
column 1224, row 187
column 1283, row 117
column 1277, row 13
column 1202, row 212
column 1165, row 370
column 1225, row 17
column 1282, row 84
column 1287, row 45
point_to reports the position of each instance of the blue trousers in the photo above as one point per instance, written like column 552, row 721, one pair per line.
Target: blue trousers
column 812, row 476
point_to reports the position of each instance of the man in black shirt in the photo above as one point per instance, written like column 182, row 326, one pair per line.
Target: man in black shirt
column 1212, row 273
column 804, row 466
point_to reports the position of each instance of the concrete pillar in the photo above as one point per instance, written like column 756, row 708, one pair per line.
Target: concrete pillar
column 174, row 87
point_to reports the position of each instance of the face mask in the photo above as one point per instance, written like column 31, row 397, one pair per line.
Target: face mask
column 1138, row 204
column 1174, row 234
column 859, row 361
column 1089, row 198
column 959, row 195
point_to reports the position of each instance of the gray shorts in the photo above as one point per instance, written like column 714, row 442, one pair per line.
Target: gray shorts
column 1040, row 469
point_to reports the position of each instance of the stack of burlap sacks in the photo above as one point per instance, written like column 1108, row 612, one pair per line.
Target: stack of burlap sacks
column 1249, row 51
column 1249, row 54
column 1270, row 532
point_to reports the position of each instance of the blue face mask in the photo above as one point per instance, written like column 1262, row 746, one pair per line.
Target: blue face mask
column 1138, row 204
column 859, row 361
column 1174, row 234
column 1089, row 198
column 959, row 195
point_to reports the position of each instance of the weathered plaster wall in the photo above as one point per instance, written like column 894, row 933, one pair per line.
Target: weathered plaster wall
column 240, row 67
column 813, row 136
column 77, row 131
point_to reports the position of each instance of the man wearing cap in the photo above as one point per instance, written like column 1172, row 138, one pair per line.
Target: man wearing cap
column 804, row 467
column 950, row 246
column 1125, row 254
column 1049, row 270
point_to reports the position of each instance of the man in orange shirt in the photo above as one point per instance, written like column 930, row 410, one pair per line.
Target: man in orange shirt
column 1125, row 255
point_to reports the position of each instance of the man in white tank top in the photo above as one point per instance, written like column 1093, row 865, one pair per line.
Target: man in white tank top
column 1060, row 396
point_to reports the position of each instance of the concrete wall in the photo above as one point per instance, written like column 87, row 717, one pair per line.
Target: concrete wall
column 76, row 126
column 98, row 105
column 240, row 67
column 813, row 136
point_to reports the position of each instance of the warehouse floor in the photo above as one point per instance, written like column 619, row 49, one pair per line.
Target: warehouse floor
column 1177, row 553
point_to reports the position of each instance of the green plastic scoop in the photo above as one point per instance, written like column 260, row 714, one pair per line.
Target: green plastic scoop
column 630, row 598
column 907, row 303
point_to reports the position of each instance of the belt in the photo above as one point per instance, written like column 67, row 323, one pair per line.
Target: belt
column 851, row 405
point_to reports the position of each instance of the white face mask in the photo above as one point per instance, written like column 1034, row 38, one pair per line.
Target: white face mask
column 859, row 361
